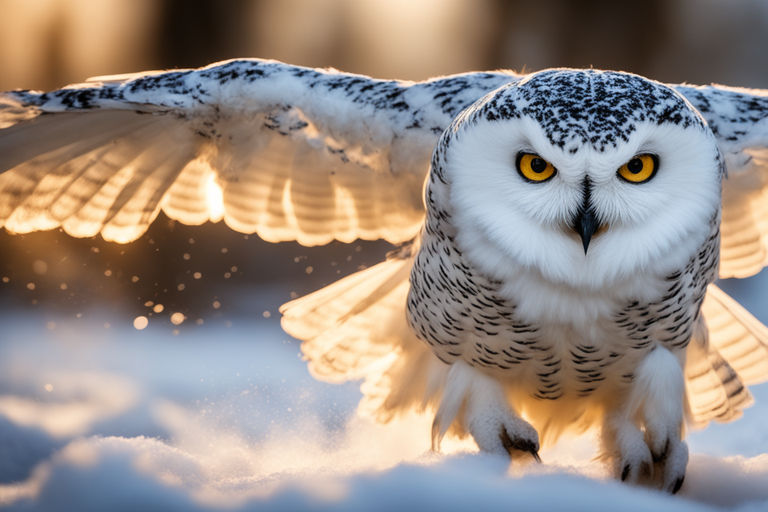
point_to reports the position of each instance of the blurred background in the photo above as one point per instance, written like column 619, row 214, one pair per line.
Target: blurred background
column 210, row 272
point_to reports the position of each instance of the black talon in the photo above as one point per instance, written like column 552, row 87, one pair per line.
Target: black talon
column 678, row 484
column 625, row 472
column 506, row 442
column 522, row 445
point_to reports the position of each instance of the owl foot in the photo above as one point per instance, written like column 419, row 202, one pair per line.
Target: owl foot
column 520, row 444
column 671, row 467
column 633, row 462
column 646, row 457
column 501, row 432
column 494, row 425
column 670, row 455
column 644, row 438
column 487, row 415
column 661, row 411
column 661, row 432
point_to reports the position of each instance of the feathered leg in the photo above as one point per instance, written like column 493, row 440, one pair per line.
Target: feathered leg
column 487, row 414
column 648, row 426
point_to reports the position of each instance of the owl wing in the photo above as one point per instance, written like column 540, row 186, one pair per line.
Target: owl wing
column 739, row 120
column 287, row 152
column 730, row 351
column 357, row 328
column 727, row 353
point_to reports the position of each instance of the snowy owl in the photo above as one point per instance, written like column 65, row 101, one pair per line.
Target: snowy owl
column 558, row 231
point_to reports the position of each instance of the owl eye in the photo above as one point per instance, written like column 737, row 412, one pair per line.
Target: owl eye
column 534, row 168
column 639, row 169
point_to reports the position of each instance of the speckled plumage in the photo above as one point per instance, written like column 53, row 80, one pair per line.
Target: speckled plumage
column 591, row 107
column 463, row 315
column 492, row 314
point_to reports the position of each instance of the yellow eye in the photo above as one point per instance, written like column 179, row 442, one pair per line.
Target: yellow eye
column 640, row 169
column 534, row 168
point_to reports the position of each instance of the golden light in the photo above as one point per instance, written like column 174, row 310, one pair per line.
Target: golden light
column 214, row 197
column 140, row 322
column 88, row 37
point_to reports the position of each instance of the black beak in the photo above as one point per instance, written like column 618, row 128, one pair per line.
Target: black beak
column 585, row 223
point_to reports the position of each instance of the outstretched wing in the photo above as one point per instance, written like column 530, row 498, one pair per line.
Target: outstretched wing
column 739, row 120
column 730, row 352
column 287, row 152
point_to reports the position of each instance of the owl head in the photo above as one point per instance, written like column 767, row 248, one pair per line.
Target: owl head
column 584, row 176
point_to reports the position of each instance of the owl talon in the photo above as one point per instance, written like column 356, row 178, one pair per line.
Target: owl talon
column 625, row 472
column 644, row 471
column 678, row 484
column 519, row 444
column 638, row 471
column 628, row 451
column 673, row 467
column 493, row 424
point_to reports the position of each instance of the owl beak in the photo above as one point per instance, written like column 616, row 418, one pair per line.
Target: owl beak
column 585, row 224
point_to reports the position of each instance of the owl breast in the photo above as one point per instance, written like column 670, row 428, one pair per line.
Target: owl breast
column 548, row 340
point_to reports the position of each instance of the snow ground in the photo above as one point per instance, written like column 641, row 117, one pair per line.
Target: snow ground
column 227, row 417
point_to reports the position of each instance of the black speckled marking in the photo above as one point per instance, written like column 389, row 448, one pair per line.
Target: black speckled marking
column 598, row 108
column 731, row 114
column 421, row 110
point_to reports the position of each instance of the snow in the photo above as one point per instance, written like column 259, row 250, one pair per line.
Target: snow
column 225, row 416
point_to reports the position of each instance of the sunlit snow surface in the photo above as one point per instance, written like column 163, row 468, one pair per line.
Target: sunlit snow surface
column 226, row 416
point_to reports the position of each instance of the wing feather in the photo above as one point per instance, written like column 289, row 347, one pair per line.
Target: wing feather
column 353, row 323
column 286, row 152
column 356, row 328
column 195, row 197
column 726, row 354
column 739, row 120
column 112, row 184
column 738, row 336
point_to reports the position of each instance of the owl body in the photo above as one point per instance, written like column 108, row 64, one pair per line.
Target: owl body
column 547, row 280
column 555, row 276
column 552, row 341
column 511, row 288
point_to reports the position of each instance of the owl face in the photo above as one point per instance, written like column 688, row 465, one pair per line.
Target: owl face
column 586, row 177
